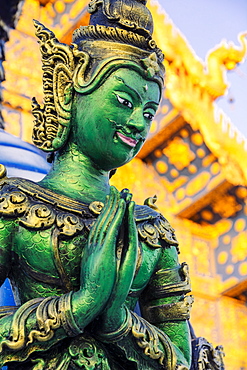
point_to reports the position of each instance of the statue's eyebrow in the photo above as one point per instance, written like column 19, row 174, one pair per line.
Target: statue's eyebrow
column 129, row 87
column 133, row 89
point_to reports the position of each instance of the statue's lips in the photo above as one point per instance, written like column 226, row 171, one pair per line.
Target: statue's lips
column 127, row 140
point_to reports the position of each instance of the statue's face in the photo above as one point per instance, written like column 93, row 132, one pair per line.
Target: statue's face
column 111, row 124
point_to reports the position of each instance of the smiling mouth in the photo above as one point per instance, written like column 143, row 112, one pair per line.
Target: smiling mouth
column 127, row 140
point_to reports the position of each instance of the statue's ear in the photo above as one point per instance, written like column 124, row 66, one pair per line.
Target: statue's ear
column 62, row 92
column 52, row 122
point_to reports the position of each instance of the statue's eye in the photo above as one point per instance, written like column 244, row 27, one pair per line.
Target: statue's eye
column 149, row 116
column 125, row 102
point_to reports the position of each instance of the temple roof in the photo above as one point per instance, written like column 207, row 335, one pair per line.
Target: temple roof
column 192, row 88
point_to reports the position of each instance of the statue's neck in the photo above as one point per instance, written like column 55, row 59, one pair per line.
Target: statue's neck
column 74, row 175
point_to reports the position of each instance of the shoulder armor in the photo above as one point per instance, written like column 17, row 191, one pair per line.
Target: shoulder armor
column 39, row 208
column 152, row 227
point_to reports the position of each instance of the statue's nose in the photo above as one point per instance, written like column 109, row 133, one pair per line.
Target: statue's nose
column 136, row 121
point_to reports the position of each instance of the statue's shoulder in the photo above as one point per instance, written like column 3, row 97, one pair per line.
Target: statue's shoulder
column 13, row 201
column 154, row 228
column 36, row 207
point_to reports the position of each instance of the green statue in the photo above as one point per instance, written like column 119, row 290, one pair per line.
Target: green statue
column 80, row 254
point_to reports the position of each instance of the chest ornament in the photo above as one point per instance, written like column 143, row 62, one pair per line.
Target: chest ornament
column 39, row 208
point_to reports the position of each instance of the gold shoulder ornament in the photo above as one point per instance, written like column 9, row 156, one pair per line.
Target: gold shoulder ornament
column 40, row 208
column 153, row 227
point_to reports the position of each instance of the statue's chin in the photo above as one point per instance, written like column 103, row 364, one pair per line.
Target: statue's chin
column 121, row 155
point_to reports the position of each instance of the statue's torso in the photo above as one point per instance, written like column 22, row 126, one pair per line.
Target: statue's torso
column 47, row 236
column 49, row 233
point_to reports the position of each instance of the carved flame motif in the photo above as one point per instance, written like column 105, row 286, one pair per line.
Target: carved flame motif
column 13, row 204
column 52, row 121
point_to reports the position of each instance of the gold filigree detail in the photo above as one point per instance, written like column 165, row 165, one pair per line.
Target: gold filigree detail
column 148, row 338
column 205, row 356
column 85, row 353
column 17, row 199
column 51, row 313
column 38, row 216
column 18, row 337
column 168, row 312
column 167, row 233
column 122, row 13
column 151, row 231
column 3, row 171
column 150, row 202
column 96, row 207
column 52, row 121
column 98, row 32
column 13, row 204
column 69, row 224
column 151, row 65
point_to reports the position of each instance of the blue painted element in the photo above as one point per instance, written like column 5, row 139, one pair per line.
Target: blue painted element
column 15, row 153
column 6, row 295
column 137, row 309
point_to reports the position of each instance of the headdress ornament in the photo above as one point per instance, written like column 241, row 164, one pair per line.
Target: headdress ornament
column 119, row 35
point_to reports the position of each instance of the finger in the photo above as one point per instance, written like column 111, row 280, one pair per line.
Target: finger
column 113, row 228
column 97, row 223
column 132, row 230
column 127, row 267
column 129, row 256
column 105, row 251
column 125, row 194
column 107, row 210
column 112, row 211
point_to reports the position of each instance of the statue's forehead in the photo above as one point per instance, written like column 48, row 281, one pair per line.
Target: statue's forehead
column 135, row 82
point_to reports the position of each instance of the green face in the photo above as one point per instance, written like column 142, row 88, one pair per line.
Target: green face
column 111, row 124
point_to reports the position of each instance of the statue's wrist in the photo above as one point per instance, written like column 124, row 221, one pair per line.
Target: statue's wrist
column 85, row 308
column 67, row 318
column 114, row 330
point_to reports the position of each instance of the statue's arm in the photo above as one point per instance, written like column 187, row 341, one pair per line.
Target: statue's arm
column 20, row 331
column 165, row 305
